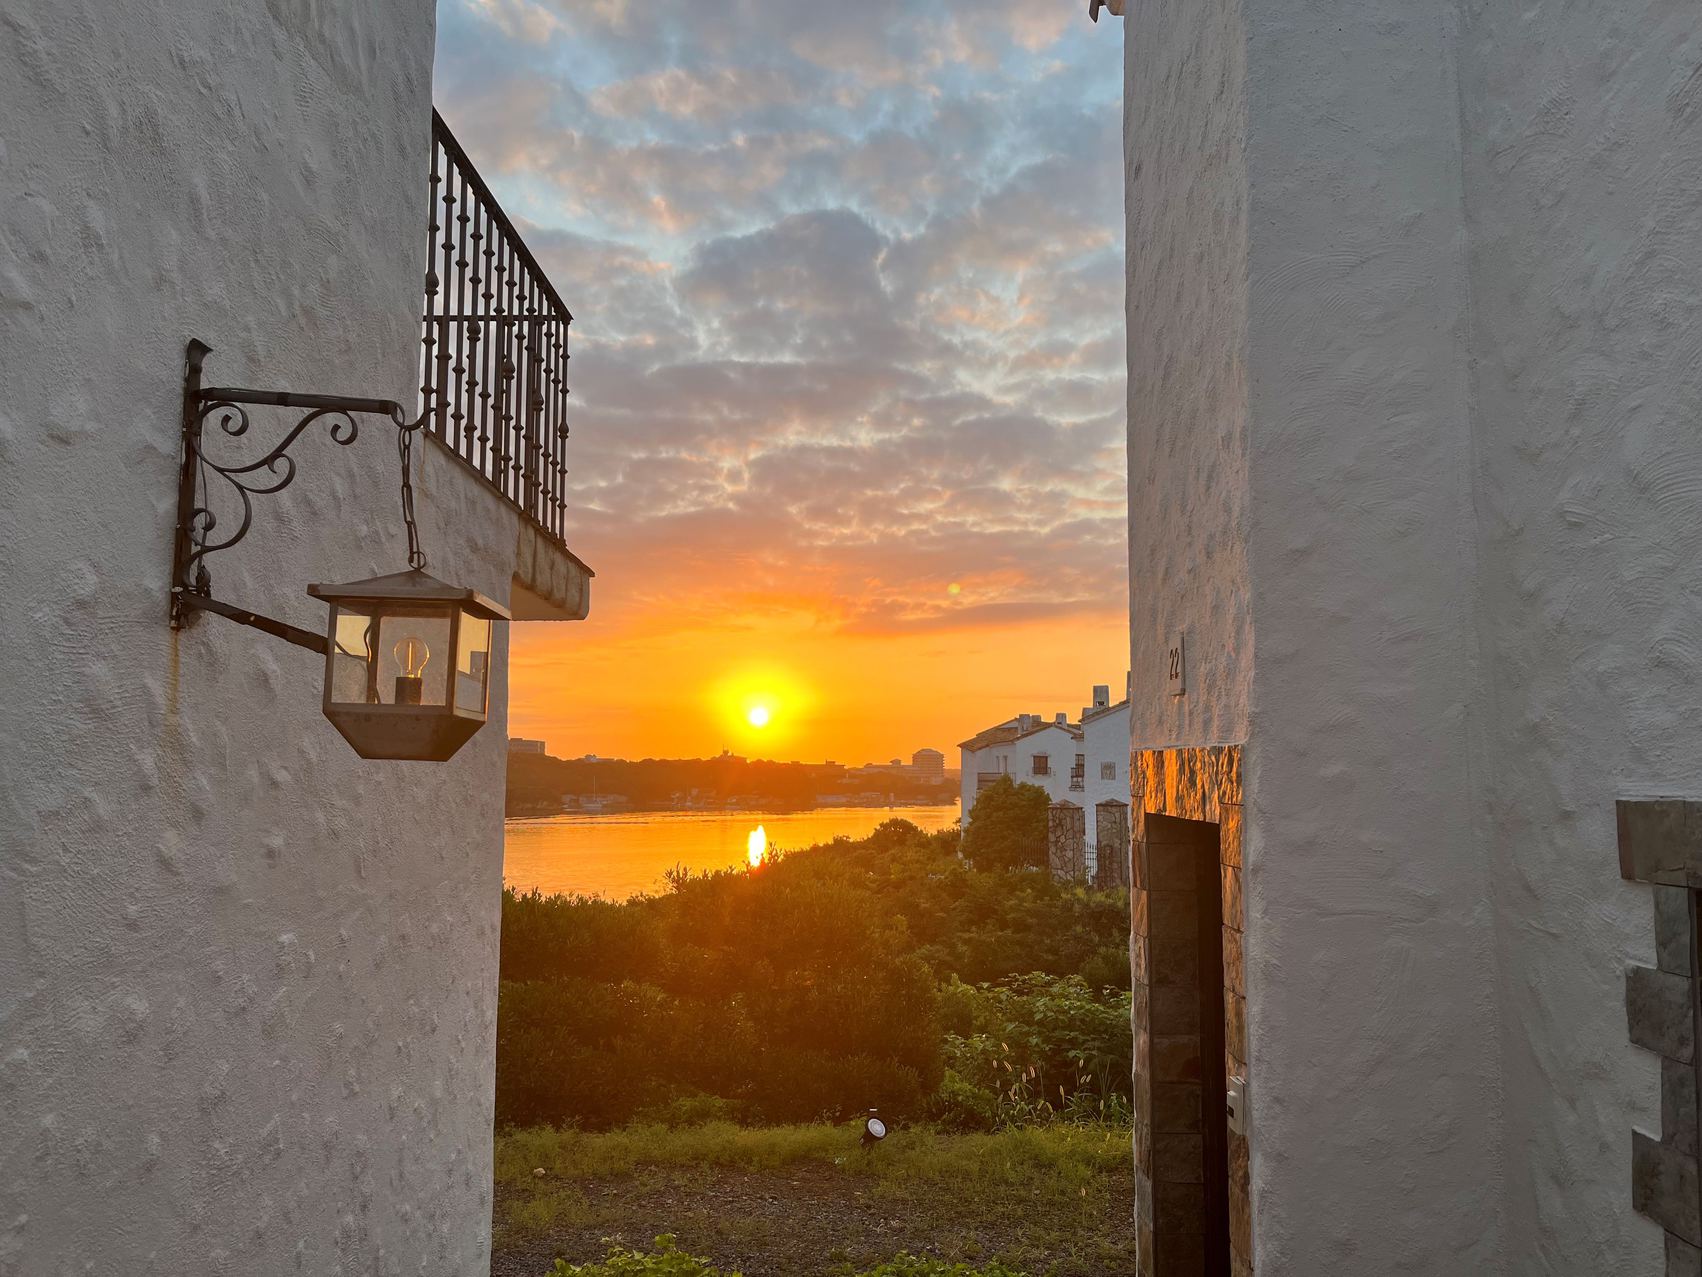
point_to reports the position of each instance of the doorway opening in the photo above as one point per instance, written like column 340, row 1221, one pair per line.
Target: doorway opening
column 1186, row 1018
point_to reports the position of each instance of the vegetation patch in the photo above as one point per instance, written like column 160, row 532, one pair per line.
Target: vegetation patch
column 681, row 1078
column 823, row 983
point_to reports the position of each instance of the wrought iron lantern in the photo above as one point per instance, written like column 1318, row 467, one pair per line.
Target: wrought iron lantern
column 407, row 664
column 407, row 657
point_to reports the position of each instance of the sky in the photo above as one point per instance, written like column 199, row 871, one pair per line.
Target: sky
column 848, row 361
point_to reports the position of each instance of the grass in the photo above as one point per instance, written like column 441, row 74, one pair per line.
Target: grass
column 791, row 1201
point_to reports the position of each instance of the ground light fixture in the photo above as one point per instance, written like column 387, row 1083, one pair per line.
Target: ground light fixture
column 874, row 1129
column 407, row 656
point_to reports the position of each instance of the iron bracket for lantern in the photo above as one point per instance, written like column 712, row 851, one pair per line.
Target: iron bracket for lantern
column 383, row 633
column 194, row 541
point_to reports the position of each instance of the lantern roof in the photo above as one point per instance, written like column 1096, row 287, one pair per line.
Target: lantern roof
column 411, row 587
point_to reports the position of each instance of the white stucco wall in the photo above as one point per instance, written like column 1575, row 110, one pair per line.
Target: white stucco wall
column 1583, row 165
column 1372, row 996
column 1105, row 739
column 246, row 979
column 1473, row 319
column 1184, row 125
column 1060, row 748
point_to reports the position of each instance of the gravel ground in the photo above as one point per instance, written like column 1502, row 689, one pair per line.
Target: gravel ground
column 803, row 1221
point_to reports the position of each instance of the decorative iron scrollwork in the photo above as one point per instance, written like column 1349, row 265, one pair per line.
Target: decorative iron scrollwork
column 268, row 474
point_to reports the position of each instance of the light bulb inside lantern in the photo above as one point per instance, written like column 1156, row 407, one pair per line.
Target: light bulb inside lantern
column 411, row 654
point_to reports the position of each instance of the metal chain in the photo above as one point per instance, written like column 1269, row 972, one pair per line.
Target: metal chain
column 405, row 450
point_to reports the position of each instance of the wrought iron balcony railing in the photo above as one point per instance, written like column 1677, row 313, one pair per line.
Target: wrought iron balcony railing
column 494, row 367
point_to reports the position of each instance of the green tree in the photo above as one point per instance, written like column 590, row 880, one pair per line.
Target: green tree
column 1007, row 827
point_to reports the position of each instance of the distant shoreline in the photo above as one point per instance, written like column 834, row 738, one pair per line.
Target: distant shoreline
column 769, row 809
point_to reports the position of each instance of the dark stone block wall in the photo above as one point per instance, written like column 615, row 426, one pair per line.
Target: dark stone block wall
column 1199, row 785
column 1660, row 842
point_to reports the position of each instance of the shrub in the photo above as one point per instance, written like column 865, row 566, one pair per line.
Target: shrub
column 1007, row 827
column 1034, row 1048
column 961, row 1105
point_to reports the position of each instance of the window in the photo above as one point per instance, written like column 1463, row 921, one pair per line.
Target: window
column 1042, row 765
column 1108, row 771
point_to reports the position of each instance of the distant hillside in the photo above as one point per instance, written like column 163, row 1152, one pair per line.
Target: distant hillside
column 538, row 782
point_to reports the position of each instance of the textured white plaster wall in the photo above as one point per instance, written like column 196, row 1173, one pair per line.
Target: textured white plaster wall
column 1472, row 252
column 1584, row 194
column 246, row 979
column 1372, row 999
column 1184, row 126
column 1105, row 739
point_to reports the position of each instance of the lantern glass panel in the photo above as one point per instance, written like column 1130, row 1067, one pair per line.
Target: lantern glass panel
column 412, row 657
column 352, row 637
column 472, row 664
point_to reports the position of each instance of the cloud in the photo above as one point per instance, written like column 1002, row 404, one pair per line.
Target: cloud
column 848, row 286
column 718, row 95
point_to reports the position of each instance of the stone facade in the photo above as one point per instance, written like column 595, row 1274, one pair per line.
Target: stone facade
column 1660, row 843
column 1066, row 842
column 1188, row 843
column 1111, row 867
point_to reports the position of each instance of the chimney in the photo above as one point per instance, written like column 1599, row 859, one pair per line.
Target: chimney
column 1023, row 722
column 1101, row 695
column 1061, row 719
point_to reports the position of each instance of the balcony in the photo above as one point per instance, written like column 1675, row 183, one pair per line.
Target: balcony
column 494, row 366
column 984, row 779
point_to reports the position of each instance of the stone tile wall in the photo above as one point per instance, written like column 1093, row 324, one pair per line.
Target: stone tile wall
column 1201, row 785
column 1111, row 836
column 1066, row 842
column 1660, row 842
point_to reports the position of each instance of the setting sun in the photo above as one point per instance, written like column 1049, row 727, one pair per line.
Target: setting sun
column 756, row 846
column 760, row 705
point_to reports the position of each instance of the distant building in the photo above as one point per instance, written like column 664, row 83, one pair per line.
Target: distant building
column 520, row 745
column 1084, row 763
column 1105, row 775
column 1029, row 748
column 928, row 764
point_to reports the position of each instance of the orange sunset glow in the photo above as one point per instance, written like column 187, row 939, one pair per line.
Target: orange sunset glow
column 849, row 697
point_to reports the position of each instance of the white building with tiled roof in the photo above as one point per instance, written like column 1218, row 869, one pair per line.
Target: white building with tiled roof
column 1084, row 763
column 1029, row 749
